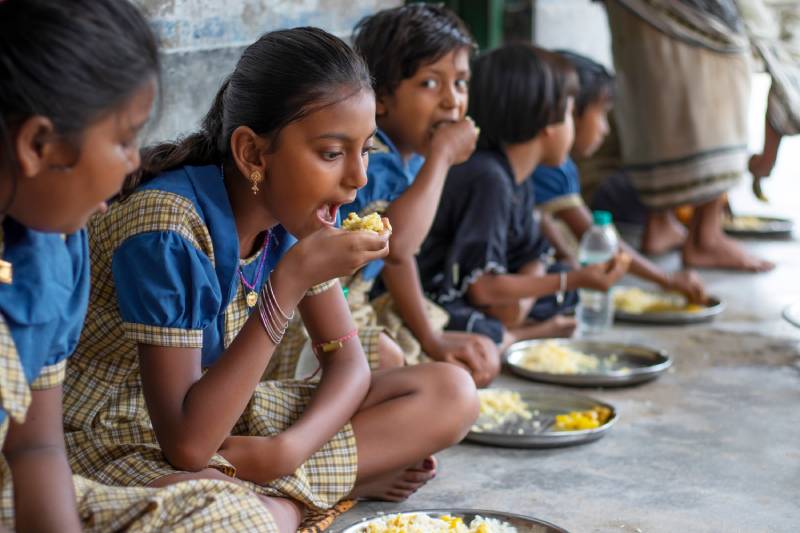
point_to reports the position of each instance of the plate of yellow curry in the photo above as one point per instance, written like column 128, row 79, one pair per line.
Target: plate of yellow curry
column 634, row 304
column 539, row 418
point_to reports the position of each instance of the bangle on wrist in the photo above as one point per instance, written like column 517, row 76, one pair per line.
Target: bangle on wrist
column 562, row 287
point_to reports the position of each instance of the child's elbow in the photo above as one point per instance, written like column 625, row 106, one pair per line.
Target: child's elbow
column 187, row 456
column 479, row 294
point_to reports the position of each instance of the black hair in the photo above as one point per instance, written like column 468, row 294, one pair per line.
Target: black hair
column 71, row 62
column 282, row 77
column 516, row 91
column 396, row 42
column 595, row 82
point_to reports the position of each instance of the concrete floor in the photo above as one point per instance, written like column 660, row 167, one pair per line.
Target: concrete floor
column 711, row 446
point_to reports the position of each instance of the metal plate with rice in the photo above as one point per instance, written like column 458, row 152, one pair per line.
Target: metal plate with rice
column 618, row 364
column 539, row 431
column 758, row 226
column 523, row 524
column 711, row 310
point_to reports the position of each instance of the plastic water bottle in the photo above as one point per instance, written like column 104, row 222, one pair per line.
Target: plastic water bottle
column 595, row 311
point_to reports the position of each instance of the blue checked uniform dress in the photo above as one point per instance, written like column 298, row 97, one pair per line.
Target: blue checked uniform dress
column 41, row 315
column 164, row 272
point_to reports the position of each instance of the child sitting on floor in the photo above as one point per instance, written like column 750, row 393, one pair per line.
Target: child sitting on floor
column 484, row 259
column 193, row 288
column 557, row 188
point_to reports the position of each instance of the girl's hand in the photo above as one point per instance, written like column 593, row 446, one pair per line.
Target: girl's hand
column 689, row 284
column 454, row 140
column 603, row 276
column 332, row 253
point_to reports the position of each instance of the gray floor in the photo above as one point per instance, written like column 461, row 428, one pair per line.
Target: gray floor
column 711, row 446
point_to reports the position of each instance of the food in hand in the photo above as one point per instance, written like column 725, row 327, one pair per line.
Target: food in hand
column 371, row 222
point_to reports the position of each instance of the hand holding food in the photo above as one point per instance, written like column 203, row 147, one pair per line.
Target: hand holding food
column 454, row 140
column 331, row 253
column 602, row 276
column 372, row 222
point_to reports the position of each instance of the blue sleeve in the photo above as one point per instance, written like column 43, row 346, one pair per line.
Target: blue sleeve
column 74, row 313
column 163, row 282
column 385, row 183
column 46, row 305
column 550, row 183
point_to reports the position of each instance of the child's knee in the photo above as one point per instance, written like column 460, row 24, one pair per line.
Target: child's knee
column 455, row 392
column 390, row 355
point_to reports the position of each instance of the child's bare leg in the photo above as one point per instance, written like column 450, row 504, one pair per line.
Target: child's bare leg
column 389, row 352
column 662, row 233
column 709, row 247
column 557, row 326
column 409, row 414
column 287, row 514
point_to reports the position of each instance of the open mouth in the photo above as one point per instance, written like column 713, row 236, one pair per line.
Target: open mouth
column 326, row 213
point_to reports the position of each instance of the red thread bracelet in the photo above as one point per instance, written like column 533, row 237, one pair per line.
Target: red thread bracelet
column 335, row 344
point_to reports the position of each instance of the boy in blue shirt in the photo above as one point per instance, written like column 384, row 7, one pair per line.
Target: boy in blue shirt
column 419, row 57
column 557, row 189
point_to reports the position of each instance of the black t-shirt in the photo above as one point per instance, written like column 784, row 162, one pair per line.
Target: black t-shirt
column 484, row 223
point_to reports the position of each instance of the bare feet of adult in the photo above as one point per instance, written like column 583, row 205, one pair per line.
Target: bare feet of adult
column 398, row 485
column 708, row 247
column 662, row 233
column 725, row 253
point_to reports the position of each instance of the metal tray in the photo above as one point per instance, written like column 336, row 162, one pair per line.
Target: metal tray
column 714, row 308
column 771, row 227
column 791, row 314
column 620, row 364
column 524, row 524
column 538, row 432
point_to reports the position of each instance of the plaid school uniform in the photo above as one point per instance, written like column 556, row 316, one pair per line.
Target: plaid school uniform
column 41, row 313
column 164, row 271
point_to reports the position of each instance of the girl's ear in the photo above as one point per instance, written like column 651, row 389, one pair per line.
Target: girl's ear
column 35, row 146
column 249, row 151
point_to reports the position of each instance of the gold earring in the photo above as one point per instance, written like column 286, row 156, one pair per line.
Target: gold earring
column 255, row 179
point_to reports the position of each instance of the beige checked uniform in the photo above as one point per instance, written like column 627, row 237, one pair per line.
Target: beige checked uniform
column 202, row 505
column 109, row 434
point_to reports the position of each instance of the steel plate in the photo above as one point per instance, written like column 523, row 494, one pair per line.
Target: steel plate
column 768, row 227
column 620, row 364
column 524, row 524
column 539, row 432
column 714, row 308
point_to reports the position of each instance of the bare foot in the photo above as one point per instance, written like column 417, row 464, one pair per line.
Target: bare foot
column 398, row 485
column 558, row 326
column 662, row 233
column 724, row 253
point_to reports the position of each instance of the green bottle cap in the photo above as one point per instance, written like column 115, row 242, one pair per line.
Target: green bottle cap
column 602, row 218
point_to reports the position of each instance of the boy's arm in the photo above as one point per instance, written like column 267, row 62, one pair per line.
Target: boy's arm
column 44, row 497
column 579, row 220
column 504, row 289
column 553, row 236
column 402, row 281
column 413, row 211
